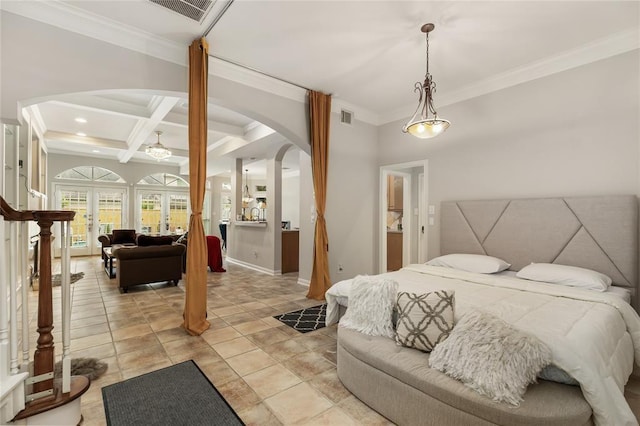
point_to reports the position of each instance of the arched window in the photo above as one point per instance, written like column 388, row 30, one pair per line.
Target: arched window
column 92, row 174
column 164, row 179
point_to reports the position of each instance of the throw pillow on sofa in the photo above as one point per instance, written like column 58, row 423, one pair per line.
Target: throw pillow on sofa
column 424, row 320
column 123, row 236
column 147, row 240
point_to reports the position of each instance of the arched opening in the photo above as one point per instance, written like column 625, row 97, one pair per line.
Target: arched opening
column 98, row 196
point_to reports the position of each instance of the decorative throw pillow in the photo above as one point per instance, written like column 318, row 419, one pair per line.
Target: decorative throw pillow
column 124, row 236
column 160, row 240
column 478, row 263
column 424, row 320
column 491, row 357
column 371, row 302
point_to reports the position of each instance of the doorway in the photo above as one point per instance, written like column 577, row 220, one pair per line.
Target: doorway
column 402, row 231
column 162, row 212
column 98, row 211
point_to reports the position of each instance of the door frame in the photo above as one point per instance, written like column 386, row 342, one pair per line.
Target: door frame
column 165, row 191
column 407, row 220
column 92, row 200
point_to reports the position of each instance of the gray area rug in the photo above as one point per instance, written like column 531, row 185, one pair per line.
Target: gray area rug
column 176, row 395
column 56, row 279
column 92, row 368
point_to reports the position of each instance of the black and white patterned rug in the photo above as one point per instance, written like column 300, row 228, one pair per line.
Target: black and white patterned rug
column 305, row 320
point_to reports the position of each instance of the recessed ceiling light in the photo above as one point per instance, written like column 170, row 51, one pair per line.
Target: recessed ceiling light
column 96, row 151
column 81, row 120
column 81, row 134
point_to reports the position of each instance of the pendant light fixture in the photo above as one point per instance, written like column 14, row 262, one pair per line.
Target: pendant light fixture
column 246, row 195
column 157, row 150
column 420, row 124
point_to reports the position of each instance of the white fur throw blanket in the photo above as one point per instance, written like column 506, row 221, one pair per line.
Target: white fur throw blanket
column 491, row 357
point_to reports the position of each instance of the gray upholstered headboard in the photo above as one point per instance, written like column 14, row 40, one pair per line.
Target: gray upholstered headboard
column 599, row 233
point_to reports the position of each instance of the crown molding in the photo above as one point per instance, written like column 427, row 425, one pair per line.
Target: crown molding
column 616, row 44
column 359, row 113
column 71, row 18
column 236, row 73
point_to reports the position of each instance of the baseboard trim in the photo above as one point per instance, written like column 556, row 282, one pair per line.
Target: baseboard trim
column 304, row 282
column 251, row 266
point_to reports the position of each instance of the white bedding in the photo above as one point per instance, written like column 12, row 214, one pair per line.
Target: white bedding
column 593, row 336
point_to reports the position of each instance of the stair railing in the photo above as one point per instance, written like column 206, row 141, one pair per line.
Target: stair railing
column 45, row 392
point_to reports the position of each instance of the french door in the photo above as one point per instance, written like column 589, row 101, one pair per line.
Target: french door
column 98, row 211
column 162, row 212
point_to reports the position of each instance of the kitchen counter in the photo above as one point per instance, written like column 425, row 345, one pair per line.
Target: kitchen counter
column 394, row 231
column 254, row 223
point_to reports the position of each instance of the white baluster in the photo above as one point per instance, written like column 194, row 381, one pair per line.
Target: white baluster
column 26, row 281
column 4, row 330
column 65, row 228
column 13, row 299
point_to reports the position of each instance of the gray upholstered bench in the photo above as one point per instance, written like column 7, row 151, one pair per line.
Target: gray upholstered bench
column 398, row 383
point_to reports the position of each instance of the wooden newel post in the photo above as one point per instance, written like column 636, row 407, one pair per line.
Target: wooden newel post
column 44, row 354
column 43, row 357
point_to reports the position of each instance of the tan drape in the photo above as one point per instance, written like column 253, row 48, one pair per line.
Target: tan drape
column 195, row 306
column 320, row 114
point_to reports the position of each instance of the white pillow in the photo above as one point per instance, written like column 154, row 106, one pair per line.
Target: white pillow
column 471, row 262
column 565, row 275
column 371, row 303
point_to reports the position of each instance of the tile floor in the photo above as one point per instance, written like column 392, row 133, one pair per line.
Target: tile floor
column 268, row 372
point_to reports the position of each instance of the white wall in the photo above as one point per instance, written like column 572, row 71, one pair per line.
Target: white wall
column 352, row 199
column 291, row 200
column 570, row 134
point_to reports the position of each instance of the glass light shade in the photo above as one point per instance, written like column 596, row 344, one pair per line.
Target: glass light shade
column 157, row 151
column 429, row 128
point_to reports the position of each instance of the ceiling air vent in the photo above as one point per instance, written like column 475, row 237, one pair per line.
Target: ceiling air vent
column 346, row 116
column 193, row 9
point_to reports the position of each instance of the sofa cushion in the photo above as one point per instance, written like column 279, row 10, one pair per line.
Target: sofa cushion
column 149, row 252
column 148, row 240
column 123, row 236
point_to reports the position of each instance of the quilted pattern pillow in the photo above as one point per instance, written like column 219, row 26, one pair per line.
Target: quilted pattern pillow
column 491, row 357
column 370, row 309
column 424, row 320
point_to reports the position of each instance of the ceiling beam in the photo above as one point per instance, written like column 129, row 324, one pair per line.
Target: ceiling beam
column 83, row 140
column 160, row 107
column 103, row 105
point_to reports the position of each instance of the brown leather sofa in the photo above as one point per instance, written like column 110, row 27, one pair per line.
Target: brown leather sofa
column 149, row 264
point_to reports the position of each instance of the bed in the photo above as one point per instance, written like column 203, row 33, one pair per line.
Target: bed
column 593, row 336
